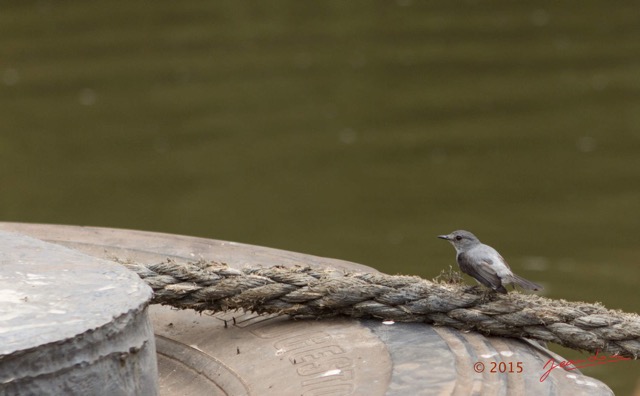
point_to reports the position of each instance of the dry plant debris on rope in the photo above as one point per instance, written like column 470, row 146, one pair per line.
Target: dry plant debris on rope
column 309, row 292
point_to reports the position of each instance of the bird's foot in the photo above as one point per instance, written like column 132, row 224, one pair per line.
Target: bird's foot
column 488, row 295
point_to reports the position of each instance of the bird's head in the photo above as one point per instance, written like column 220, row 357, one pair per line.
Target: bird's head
column 461, row 240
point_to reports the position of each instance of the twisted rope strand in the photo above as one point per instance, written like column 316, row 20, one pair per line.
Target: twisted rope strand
column 308, row 292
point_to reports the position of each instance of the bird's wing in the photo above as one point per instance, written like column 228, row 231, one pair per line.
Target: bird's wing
column 491, row 256
column 481, row 269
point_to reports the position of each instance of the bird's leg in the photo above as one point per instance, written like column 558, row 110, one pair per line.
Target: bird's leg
column 476, row 289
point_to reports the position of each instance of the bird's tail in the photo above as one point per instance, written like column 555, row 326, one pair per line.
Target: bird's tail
column 524, row 283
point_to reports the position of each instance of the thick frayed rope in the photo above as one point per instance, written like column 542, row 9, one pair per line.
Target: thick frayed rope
column 308, row 292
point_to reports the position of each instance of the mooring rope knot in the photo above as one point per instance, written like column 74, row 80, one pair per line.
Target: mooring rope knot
column 307, row 292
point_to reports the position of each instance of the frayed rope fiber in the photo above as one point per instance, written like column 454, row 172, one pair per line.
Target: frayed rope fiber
column 309, row 292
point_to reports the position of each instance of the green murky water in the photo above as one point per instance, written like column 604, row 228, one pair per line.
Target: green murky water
column 355, row 130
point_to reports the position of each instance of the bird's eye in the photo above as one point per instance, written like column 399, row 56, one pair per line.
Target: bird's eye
column 458, row 237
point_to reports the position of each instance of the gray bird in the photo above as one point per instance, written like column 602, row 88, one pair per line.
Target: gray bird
column 484, row 263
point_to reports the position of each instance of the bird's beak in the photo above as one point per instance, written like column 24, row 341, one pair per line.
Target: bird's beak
column 447, row 237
